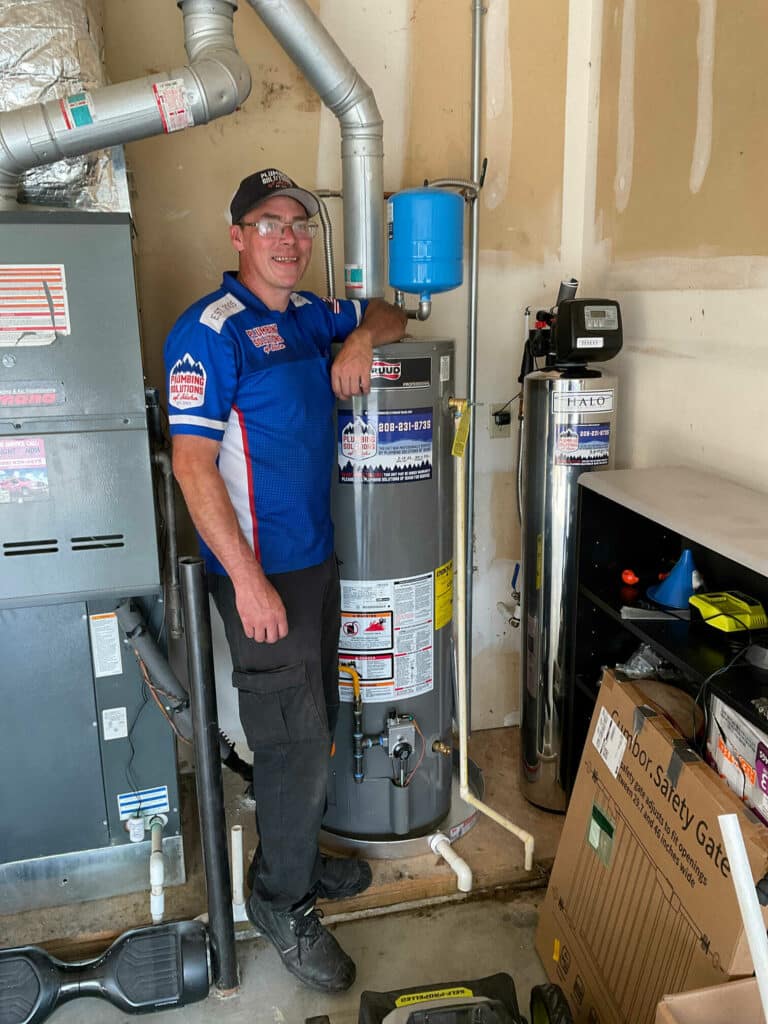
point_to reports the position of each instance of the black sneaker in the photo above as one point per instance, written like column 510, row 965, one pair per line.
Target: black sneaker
column 340, row 877
column 343, row 877
column 306, row 948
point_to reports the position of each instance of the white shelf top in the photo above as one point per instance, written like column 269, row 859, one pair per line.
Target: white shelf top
column 721, row 515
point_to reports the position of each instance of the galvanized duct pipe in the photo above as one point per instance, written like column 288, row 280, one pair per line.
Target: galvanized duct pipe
column 215, row 83
column 343, row 91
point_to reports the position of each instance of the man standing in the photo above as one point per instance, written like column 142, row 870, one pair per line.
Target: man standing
column 251, row 395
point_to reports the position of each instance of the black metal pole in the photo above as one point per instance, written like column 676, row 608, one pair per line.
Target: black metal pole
column 210, row 792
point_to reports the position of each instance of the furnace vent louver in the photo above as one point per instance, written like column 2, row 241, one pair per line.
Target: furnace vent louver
column 30, row 547
column 98, row 541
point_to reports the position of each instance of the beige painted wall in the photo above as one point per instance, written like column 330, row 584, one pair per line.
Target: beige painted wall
column 416, row 55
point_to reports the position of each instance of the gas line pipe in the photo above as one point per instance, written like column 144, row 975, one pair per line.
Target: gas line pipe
column 460, row 407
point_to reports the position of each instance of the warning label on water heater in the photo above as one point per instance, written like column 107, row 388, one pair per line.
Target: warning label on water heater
column 387, row 636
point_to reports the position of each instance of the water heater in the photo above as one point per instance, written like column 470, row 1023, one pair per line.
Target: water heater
column 390, row 773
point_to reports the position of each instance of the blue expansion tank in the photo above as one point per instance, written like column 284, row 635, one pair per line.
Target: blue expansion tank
column 425, row 228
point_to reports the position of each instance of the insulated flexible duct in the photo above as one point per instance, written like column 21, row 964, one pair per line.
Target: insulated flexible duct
column 215, row 83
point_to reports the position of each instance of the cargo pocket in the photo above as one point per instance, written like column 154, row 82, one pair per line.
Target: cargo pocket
column 278, row 706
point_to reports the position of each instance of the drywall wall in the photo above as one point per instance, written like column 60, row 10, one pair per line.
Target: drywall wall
column 416, row 55
column 679, row 231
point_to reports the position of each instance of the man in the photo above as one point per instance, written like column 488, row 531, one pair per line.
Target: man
column 251, row 395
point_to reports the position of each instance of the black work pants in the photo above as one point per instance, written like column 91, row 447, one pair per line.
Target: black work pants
column 289, row 703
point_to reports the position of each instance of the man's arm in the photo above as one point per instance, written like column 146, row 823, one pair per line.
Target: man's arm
column 194, row 465
column 351, row 370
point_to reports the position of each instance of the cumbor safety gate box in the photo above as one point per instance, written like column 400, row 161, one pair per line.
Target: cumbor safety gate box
column 641, row 902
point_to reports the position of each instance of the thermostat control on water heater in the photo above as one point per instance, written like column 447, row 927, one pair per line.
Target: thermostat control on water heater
column 586, row 330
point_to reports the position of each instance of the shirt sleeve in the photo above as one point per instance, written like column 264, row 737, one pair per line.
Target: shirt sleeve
column 202, row 375
column 344, row 316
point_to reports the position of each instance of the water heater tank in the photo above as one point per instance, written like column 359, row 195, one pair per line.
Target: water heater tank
column 425, row 228
column 393, row 514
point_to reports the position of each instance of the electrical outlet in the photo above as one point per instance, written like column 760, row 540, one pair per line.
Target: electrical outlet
column 496, row 429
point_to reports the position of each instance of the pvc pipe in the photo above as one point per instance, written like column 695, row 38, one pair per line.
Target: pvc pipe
column 238, row 896
column 751, row 914
column 440, row 844
column 461, row 663
column 156, row 871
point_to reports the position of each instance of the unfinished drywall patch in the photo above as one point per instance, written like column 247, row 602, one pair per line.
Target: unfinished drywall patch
column 699, row 152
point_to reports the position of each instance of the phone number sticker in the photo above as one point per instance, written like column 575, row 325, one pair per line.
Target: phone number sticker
column 385, row 447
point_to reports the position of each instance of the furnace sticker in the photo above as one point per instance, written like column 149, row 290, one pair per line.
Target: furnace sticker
column 105, row 645
column 31, row 394
column 186, row 385
column 23, row 470
column 34, row 306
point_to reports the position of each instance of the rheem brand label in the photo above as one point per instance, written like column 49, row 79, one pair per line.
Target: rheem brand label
column 582, row 401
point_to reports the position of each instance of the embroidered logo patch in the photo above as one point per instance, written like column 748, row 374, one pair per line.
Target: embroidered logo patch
column 186, row 387
column 267, row 338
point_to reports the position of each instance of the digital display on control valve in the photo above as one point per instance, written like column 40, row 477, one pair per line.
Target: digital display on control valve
column 586, row 330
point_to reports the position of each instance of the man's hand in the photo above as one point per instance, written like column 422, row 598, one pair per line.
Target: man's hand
column 261, row 610
column 351, row 370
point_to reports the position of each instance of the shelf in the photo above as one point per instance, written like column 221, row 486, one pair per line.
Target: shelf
column 687, row 646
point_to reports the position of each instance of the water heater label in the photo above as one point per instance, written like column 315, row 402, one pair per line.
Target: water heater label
column 582, row 444
column 401, row 373
column 385, row 447
column 387, row 635
column 582, row 401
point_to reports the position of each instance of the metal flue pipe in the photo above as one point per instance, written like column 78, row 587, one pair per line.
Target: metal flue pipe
column 215, row 83
column 317, row 55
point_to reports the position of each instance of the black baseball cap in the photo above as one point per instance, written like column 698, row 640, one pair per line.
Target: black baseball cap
column 262, row 185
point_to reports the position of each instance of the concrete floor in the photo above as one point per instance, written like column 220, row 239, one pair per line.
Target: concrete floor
column 438, row 943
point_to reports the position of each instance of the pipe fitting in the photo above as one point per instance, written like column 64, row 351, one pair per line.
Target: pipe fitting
column 216, row 82
column 439, row 747
column 440, row 844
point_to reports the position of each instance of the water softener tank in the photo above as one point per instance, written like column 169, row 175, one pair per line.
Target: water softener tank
column 393, row 513
column 425, row 230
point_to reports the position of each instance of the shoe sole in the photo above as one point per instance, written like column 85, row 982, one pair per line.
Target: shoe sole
column 316, row 985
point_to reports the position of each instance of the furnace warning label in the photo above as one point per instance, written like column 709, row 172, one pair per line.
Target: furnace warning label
column 385, row 447
column 387, row 635
column 582, row 444
column 105, row 645
column 23, row 470
column 34, row 307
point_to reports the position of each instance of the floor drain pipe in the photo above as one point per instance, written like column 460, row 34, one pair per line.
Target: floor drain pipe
column 460, row 407
column 238, row 876
column 440, row 844
column 157, row 871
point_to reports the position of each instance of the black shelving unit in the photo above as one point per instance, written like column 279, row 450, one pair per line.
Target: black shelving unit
column 643, row 520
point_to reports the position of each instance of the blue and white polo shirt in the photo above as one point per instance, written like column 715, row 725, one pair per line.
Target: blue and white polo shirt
column 258, row 381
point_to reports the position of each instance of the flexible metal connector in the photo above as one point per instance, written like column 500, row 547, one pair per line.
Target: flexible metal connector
column 215, row 83
column 317, row 55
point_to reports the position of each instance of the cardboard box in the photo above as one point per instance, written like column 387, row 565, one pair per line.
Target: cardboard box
column 734, row 1003
column 640, row 902
column 739, row 753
